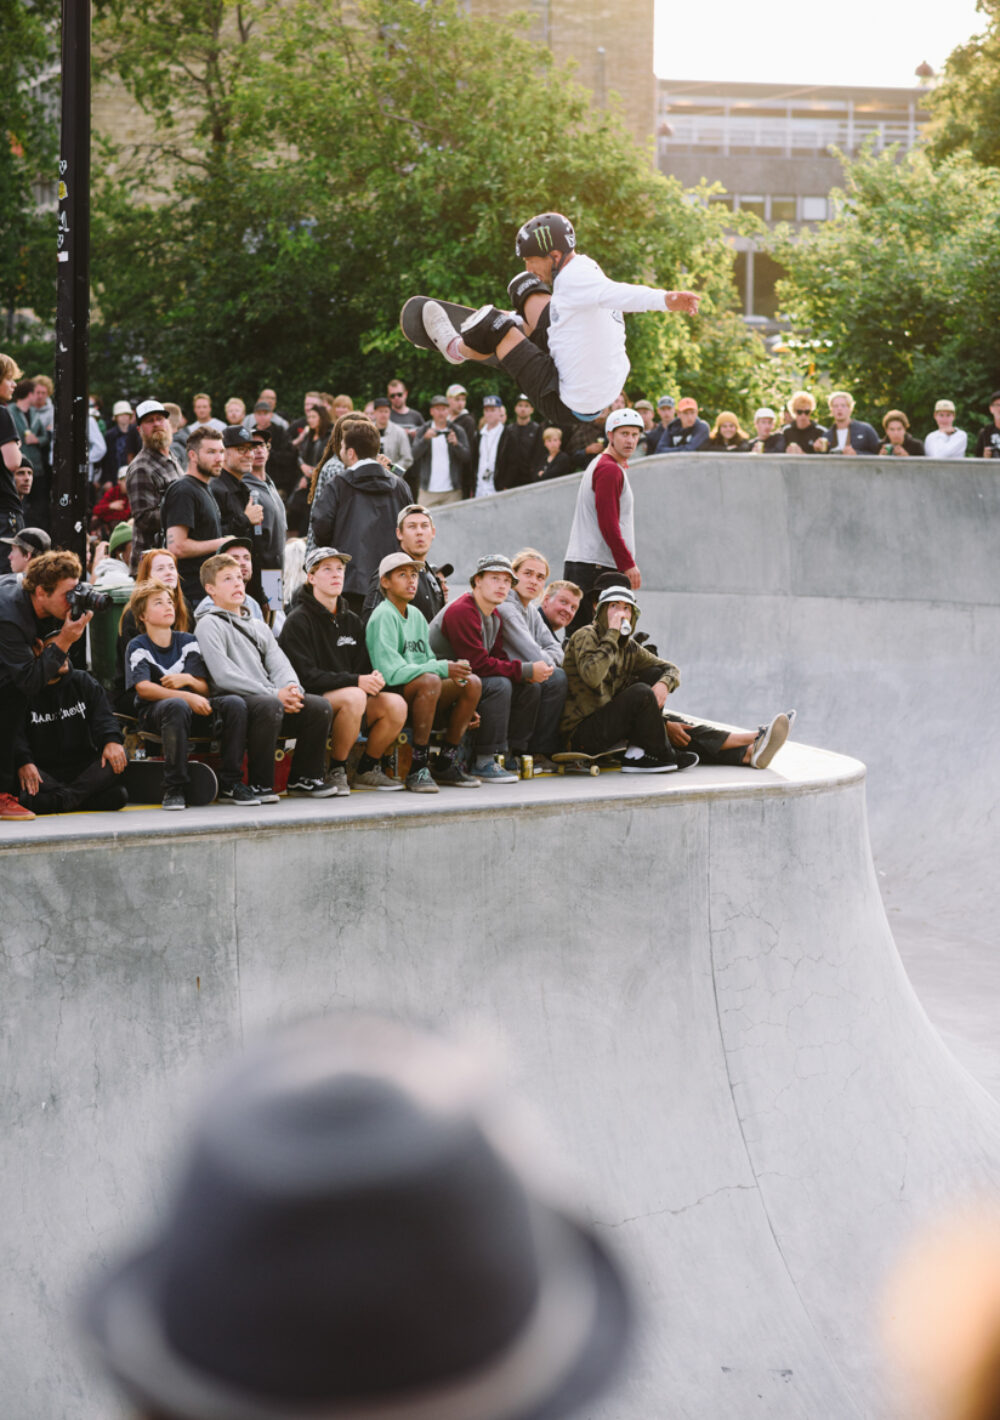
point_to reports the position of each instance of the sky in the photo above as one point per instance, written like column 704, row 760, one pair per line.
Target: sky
column 877, row 42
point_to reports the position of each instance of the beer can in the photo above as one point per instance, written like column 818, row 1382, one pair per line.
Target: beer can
column 527, row 766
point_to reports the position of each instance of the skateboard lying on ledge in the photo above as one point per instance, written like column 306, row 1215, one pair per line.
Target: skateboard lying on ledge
column 143, row 779
column 579, row 763
column 411, row 323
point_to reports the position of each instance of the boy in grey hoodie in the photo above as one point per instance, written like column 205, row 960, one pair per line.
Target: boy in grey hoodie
column 243, row 658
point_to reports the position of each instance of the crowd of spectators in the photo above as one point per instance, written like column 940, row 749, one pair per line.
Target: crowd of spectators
column 281, row 585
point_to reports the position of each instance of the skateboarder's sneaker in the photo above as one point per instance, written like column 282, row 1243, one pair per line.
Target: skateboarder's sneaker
column 174, row 799
column 239, row 793
column 11, row 809
column 376, row 779
column 453, row 776
column 660, row 764
column 485, row 328
column 769, row 740
column 493, row 773
column 329, row 788
column 419, row 781
column 440, row 330
column 265, row 794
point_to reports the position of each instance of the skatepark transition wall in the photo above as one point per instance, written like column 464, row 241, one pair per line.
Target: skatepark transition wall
column 694, row 978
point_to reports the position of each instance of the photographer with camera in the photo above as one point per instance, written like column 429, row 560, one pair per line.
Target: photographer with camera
column 441, row 457
column 50, row 591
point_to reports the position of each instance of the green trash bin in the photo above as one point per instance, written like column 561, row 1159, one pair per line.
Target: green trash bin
column 104, row 637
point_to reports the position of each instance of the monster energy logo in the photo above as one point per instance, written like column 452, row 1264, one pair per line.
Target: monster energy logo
column 543, row 236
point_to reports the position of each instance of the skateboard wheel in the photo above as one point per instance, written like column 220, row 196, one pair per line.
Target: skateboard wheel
column 279, row 755
column 594, row 769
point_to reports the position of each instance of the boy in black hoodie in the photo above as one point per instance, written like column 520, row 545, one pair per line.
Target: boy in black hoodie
column 325, row 643
column 69, row 749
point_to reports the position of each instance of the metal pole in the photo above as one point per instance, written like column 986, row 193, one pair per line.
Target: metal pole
column 71, row 466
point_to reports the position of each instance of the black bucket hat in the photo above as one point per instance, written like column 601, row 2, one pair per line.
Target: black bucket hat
column 352, row 1239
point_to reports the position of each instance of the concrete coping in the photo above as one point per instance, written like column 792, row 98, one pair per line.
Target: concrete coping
column 797, row 770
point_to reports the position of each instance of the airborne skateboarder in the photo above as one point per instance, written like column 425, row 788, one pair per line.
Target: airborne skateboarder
column 564, row 345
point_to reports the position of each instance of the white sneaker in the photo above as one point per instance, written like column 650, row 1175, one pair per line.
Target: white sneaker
column 769, row 740
column 440, row 330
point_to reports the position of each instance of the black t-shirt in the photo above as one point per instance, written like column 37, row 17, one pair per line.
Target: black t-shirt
column 410, row 420
column 11, row 517
column 189, row 504
column 989, row 438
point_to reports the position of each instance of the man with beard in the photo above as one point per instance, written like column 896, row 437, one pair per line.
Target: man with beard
column 150, row 474
column 190, row 514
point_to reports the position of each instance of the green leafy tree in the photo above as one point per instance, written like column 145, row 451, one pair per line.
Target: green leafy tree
column 28, row 146
column 965, row 105
column 902, row 286
column 319, row 166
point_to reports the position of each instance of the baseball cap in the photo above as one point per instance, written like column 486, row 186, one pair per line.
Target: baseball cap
column 765, row 413
column 456, row 389
column 120, row 406
column 523, row 399
column 394, row 560
column 437, row 399
column 410, row 509
column 643, row 404
column 320, row 554
column 943, row 405
column 495, row 562
column 666, row 401
column 492, row 401
column 263, row 404
column 261, row 436
column 234, row 436
column 381, row 402
column 687, row 403
column 30, row 540
column 234, row 541
column 148, row 406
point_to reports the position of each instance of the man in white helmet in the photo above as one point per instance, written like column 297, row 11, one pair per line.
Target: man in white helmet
column 564, row 345
column 602, row 537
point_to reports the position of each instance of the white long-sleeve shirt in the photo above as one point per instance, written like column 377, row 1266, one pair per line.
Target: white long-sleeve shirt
column 587, row 332
column 939, row 445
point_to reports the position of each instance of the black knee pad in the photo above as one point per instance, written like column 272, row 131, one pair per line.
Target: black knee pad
column 525, row 284
column 485, row 328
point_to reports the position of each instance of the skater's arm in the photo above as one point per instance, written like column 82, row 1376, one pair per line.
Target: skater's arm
column 608, row 484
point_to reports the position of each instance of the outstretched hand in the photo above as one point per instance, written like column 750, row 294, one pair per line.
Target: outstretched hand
column 685, row 302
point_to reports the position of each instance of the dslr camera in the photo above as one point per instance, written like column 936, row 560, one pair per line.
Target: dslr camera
column 84, row 597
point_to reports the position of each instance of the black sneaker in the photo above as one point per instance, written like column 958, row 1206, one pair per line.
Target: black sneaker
column 265, row 795
column 453, row 776
column 327, row 788
column 655, row 764
column 238, row 793
column 174, row 799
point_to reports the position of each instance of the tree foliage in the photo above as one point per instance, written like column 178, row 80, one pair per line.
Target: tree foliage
column 966, row 103
column 903, row 284
column 318, row 165
column 28, row 145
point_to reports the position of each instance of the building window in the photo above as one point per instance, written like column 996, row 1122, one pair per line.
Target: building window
column 814, row 209
column 783, row 209
column 753, row 204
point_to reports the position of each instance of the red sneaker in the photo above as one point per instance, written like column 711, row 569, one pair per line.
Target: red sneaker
column 10, row 808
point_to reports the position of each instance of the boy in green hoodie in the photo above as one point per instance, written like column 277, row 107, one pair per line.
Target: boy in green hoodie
column 399, row 648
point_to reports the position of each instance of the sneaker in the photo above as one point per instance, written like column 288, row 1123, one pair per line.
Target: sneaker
column 791, row 719
column 174, row 799
column 544, row 765
column 331, row 787
column 11, row 809
column 654, row 764
column 264, row 795
column 453, row 776
column 440, row 330
column 238, row 793
column 485, row 328
column 419, row 781
column 493, row 773
column 769, row 740
column 376, row 779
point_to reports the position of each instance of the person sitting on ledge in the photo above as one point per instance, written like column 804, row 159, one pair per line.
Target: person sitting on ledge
column 165, row 670
column 415, row 532
column 243, row 658
column 399, row 647
column 618, row 693
column 846, row 435
column 898, row 439
column 727, row 436
column 69, row 750
column 325, row 642
column 766, row 440
column 803, row 435
column 559, row 604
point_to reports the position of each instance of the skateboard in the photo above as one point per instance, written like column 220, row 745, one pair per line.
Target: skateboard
column 577, row 762
column 144, row 782
column 411, row 323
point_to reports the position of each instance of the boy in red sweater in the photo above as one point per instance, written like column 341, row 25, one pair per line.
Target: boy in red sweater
column 522, row 701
